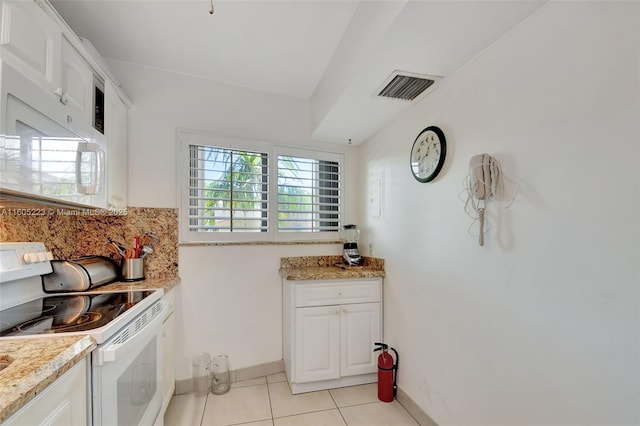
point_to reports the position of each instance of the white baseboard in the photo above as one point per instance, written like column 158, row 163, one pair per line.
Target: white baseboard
column 266, row 369
column 412, row 408
column 333, row 384
column 239, row 375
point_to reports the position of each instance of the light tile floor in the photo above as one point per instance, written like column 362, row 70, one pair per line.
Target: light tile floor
column 267, row 401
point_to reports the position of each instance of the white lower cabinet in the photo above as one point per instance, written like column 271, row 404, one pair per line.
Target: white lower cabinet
column 330, row 328
column 169, row 352
column 317, row 344
column 360, row 328
column 62, row 403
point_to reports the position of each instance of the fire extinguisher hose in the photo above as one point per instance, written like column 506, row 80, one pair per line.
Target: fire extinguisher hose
column 395, row 375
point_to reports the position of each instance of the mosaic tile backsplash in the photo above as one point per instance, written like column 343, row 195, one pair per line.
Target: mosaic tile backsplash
column 70, row 234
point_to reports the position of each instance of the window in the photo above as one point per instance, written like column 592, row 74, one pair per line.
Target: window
column 228, row 190
column 236, row 190
column 308, row 195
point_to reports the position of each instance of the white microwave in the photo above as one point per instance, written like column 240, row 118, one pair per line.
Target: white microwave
column 44, row 154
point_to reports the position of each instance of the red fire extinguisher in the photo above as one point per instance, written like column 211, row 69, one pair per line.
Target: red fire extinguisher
column 387, row 372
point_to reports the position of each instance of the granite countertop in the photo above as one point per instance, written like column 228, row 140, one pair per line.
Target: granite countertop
column 328, row 268
column 36, row 363
column 165, row 284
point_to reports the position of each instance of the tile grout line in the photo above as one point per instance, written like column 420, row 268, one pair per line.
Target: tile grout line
column 204, row 409
column 339, row 410
column 309, row 412
column 248, row 386
column 270, row 405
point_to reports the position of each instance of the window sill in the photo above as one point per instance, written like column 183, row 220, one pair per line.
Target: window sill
column 255, row 243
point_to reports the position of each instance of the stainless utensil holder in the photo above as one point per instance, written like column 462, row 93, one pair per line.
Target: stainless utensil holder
column 133, row 269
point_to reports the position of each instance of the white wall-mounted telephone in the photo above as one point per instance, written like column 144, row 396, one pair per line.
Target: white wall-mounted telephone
column 480, row 176
column 485, row 181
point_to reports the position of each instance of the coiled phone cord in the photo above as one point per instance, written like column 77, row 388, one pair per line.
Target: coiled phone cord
column 496, row 191
column 481, row 223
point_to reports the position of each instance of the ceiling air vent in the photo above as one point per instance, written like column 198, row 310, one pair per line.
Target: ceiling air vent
column 406, row 86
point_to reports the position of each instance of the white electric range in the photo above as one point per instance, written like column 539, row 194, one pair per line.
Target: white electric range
column 126, row 367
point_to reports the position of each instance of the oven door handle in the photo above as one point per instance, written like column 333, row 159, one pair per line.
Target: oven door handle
column 112, row 351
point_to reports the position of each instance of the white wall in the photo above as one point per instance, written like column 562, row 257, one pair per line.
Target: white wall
column 230, row 298
column 539, row 326
column 163, row 101
column 231, row 302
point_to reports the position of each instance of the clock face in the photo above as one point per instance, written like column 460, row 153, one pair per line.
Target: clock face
column 427, row 154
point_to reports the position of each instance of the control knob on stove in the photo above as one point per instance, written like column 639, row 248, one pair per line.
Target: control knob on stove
column 37, row 257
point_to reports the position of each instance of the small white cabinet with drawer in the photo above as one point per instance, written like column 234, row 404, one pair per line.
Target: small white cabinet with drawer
column 329, row 330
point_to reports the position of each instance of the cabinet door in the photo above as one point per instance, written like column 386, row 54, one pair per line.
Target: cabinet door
column 76, row 82
column 63, row 403
column 317, row 341
column 115, row 117
column 168, row 350
column 360, row 327
column 30, row 41
column 169, row 357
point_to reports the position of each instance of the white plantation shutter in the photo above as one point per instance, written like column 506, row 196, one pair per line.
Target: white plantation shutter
column 240, row 190
column 228, row 190
column 309, row 193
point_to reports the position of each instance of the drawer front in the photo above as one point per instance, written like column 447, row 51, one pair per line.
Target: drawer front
column 337, row 293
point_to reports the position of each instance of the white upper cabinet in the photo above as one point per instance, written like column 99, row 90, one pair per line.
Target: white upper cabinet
column 31, row 42
column 47, row 74
column 76, row 82
column 115, row 117
column 34, row 44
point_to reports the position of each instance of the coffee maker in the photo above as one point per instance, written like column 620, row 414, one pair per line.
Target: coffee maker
column 350, row 234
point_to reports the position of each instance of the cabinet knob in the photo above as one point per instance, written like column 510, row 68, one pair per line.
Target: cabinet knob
column 339, row 293
column 69, row 119
column 337, row 311
column 344, row 310
column 59, row 93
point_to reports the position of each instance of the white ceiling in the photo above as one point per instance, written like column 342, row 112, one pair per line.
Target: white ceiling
column 334, row 53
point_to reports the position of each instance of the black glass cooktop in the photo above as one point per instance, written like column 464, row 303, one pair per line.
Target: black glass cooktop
column 67, row 313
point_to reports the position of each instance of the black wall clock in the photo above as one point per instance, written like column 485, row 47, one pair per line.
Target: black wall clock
column 427, row 154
